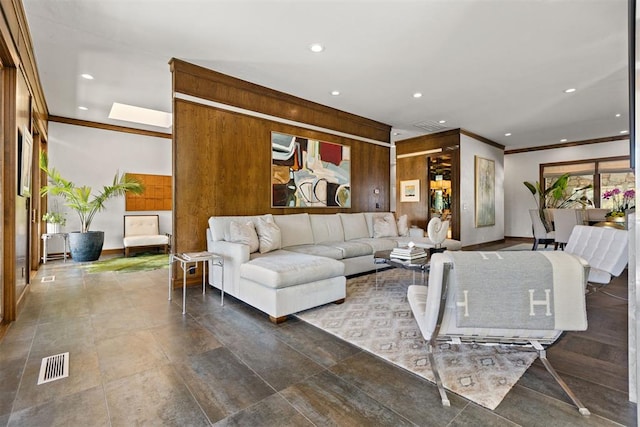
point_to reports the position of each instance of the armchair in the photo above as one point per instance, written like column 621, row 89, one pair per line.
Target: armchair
column 143, row 232
column 460, row 305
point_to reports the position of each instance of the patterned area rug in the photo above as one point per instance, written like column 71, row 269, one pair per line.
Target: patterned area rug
column 378, row 319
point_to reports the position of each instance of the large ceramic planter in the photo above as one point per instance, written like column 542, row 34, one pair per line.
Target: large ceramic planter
column 86, row 246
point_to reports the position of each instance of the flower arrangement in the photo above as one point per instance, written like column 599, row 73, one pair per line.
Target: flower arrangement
column 620, row 204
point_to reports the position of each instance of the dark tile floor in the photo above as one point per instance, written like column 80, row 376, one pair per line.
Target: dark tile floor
column 136, row 360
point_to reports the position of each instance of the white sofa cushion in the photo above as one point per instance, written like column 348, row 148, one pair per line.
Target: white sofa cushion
column 352, row 248
column 326, row 228
column 354, row 226
column 156, row 239
column 295, row 229
column 318, row 250
column 269, row 234
column 385, row 226
column 244, row 232
column 370, row 218
column 403, row 225
column 283, row 268
column 219, row 225
column 380, row 244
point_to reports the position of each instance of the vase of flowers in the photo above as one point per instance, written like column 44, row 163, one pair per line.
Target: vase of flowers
column 54, row 221
column 621, row 202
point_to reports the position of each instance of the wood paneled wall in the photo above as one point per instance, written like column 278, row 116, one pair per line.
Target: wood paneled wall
column 415, row 167
column 222, row 159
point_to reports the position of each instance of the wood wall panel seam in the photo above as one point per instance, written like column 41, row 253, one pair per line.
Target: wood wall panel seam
column 213, row 104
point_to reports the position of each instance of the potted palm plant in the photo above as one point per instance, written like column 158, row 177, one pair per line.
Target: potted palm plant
column 85, row 245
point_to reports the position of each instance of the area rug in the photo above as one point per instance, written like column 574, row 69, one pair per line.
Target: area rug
column 129, row 264
column 378, row 319
column 527, row 247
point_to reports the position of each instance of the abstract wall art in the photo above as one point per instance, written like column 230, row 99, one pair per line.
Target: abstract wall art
column 309, row 173
column 485, row 192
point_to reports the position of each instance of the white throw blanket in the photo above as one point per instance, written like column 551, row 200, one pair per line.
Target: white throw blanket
column 519, row 290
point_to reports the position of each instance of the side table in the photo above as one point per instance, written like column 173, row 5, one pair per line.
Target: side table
column 194, row 258
column 45, row 240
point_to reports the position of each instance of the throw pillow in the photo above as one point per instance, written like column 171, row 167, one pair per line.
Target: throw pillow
column 245, row 233
column 385, row 226
column 268, row 235
column 403, row 226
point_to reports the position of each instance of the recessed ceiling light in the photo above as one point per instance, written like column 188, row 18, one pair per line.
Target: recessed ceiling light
column 618, row 115
column 86, row 76
column 570, row 90
column 563, row 140
column 316, row 47
column 335, row 92
column 442, row 122
column 396, row 133
column 146, row 116
column 417, row 95
column 507, row 134
column 624, row 131
column 82, row 108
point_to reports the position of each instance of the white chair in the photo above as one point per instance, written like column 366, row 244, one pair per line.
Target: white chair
column 143, row 232
column 563, row 222
column 459, row 305
column 605, row 249
column 540, row 233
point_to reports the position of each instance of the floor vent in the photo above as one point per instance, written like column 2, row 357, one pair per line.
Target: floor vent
column 53, row 368
column 46, row 279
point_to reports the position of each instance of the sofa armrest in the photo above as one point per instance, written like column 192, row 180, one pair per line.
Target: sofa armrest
column 236, row 251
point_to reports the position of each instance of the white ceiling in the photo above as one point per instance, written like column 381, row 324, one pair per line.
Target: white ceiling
column 488, row 66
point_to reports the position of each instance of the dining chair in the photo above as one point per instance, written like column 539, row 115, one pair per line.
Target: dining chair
column 540, row 233
column 563, row 222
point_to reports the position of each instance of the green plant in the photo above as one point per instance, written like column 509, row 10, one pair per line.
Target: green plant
column 557, row 196
column 54, row 218
column 80, row 199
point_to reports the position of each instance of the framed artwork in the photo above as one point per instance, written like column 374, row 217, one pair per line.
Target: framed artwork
column 25, row 145
column 485, row 192
column 309, row 173
column 410, row 190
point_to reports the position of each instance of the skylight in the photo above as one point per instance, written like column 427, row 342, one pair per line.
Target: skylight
column 145, row 116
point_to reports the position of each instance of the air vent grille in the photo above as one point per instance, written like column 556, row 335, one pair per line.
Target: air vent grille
column 54, row 368
column 430, row 126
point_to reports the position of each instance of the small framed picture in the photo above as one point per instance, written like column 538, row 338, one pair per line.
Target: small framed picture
column 410, row 190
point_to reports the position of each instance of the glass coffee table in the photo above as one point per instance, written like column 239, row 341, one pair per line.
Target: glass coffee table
column 421, row 265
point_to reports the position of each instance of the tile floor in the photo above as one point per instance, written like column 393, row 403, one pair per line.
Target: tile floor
column 136, row 360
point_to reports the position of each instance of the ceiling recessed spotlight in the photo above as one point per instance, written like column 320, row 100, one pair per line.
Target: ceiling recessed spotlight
column 417, row 95
column 563, row 140
column 624, row 131
column 507, row 134
column 570, row 90
column 82, row 108
column 316, row 48
column 335, row 92
column 396, row 133
column 86, row 76
column 442, row 122
column 618, row 115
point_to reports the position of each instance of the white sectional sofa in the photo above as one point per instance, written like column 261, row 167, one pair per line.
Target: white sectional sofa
column 283, row 264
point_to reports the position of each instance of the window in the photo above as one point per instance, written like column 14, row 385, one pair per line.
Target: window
column 601, row 174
